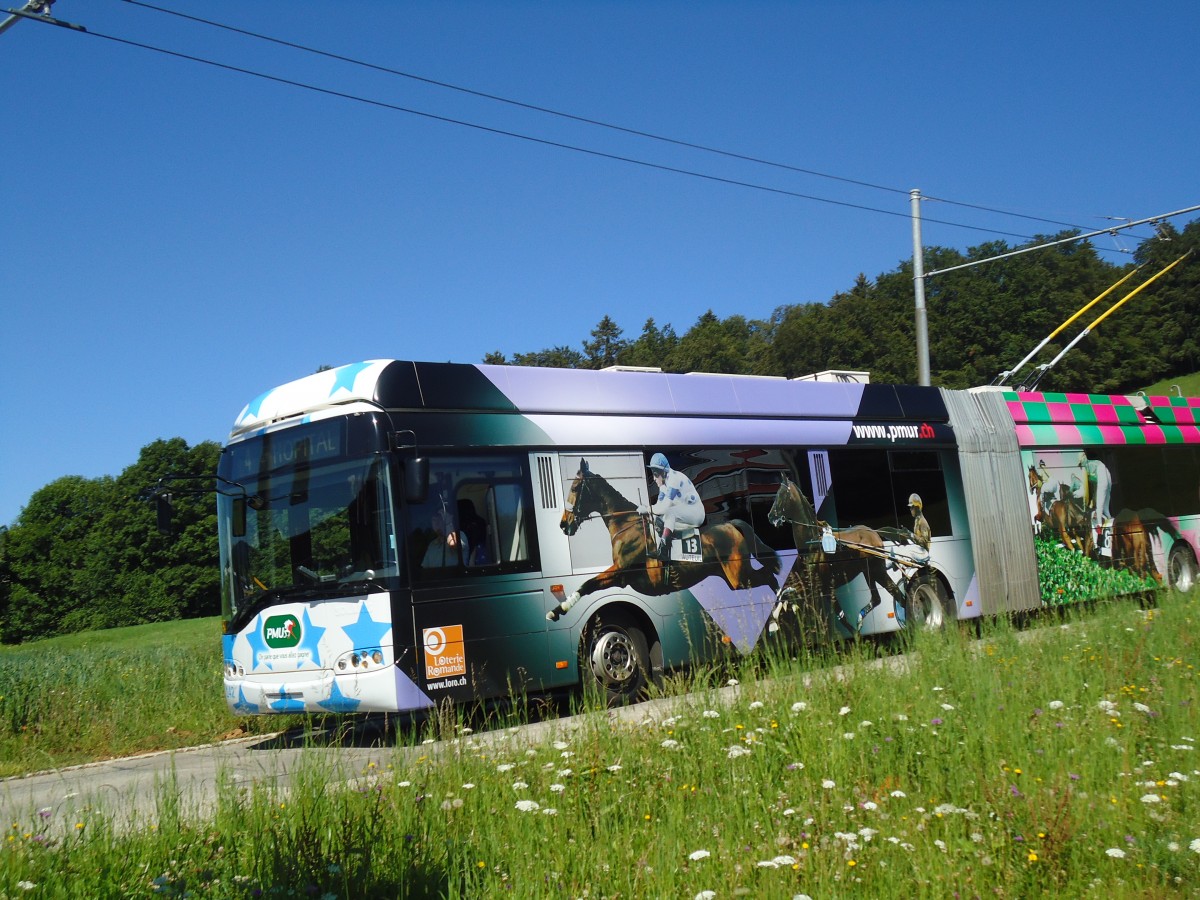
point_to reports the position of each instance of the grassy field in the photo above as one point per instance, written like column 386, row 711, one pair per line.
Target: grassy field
column 1062, row 766
column 102, row 694
column 1189, row 386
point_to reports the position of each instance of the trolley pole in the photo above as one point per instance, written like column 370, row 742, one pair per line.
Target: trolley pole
column 922, row 322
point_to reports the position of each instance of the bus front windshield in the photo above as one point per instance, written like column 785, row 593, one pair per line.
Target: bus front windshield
column 313, row 528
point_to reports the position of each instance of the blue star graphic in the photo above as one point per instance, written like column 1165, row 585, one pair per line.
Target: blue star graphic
column 366, row 633
column 310, row 636
column 243, row 705
column 287, row 703
column 257, row 644
column 344, row 376
column 339, row 702
column 254, row 406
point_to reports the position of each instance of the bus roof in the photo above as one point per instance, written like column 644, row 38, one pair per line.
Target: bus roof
column 395, row 384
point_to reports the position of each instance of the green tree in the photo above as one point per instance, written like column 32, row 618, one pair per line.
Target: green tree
column 554, row 357
column 652, row 347
column 605, row 346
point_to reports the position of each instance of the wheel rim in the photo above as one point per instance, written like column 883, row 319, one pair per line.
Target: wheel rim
column 926, row 608
column 1182, row 572
column 614, row 659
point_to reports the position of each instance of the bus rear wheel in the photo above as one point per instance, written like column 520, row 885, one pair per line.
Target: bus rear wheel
column 1181, row 569
column 928, row 605
column 617, row 655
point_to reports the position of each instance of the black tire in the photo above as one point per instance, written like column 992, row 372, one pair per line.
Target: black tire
column 616, row 657
column 1181, row 568
column 929, row 607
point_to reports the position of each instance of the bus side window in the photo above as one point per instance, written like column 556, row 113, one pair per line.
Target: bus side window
column 507, row 508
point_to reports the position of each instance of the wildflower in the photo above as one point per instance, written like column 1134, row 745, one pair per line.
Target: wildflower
column 757, row 704
column 1055, row 704
column 848, row 736
column 706, row 895
column 799, row 706
column 696, row 855
column 468, row 786
column 549, row 811
column 1115, row 852
column 711, row 714
column 898, row 794
column 1151, row 798
column 1143, row 708
column 791, row 767
column 737, row 750
column 844, row 711
column 528, row 805
column 614, row 768
column 937, row 721
column 26, row 885
column 947, row 707
column 828, row 784
column 505, row 767
column 1032, row 857
column 1194, row 846
column 560, row 745
column 732, row 682
column 557, row 788
column 670, row 744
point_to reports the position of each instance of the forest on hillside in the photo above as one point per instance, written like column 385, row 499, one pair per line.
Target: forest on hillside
column 982, row 321
column 86, row 553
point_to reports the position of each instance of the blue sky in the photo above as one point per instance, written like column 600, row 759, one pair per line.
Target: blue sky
column 179, row 238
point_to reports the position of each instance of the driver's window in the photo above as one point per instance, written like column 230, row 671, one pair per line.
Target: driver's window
column 474, row 520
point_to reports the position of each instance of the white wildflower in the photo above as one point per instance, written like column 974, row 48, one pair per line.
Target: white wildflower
column 528, row 805
column 1115, row 852
column 799, row 706
column 698, row 855
column 844, row 711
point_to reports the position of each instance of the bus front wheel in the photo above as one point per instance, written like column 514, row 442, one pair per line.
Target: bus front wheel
column 617, row 655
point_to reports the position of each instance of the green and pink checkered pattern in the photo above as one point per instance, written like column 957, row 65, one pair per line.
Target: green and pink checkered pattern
column 1051, row 420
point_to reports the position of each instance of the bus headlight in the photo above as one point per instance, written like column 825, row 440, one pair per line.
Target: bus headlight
column 363, row 660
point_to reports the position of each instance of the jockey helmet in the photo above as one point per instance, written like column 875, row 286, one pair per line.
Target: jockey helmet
column 915, row 500
column 658, row 462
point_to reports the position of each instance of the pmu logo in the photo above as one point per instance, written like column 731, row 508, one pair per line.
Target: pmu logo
column 281, row 631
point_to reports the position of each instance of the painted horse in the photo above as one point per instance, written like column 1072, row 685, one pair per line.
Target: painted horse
column 727, row 549
column 1134, row 536
column 858, row 550
column 1064, row 516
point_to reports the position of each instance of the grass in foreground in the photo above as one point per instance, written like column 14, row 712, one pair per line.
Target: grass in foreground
column 104, row 694
column 1061, row 766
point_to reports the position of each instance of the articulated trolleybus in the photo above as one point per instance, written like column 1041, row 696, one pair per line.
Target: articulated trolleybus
column 398, row 534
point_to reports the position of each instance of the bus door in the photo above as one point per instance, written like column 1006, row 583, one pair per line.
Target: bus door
column 478, row 609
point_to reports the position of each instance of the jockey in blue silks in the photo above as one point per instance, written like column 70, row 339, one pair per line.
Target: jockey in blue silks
column 678, row 504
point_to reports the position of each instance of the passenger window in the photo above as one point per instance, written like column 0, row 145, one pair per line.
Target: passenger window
column 477, row 519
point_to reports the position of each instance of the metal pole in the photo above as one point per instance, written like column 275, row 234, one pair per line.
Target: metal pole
column 33, row 7
column 922, row 324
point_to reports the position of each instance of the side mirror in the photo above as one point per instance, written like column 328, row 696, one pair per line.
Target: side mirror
column 416, row 479
column 162, row 512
